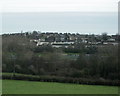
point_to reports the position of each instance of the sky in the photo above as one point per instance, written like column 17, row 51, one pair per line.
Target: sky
column 58, row 5
column 85, row 16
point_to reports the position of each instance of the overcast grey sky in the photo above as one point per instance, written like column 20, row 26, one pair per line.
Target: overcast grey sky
column 58, row 5
column 81, row 22
column 84, row 16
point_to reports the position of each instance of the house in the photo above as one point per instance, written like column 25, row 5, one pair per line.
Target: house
column 61, row 44
column 111, row 40
column 42, row 43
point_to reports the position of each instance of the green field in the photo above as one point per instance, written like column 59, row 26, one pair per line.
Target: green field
column 30, row 87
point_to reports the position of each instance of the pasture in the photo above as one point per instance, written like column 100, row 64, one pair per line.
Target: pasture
column 32, row 87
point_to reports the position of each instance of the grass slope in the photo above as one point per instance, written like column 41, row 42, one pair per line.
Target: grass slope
column 29, row 87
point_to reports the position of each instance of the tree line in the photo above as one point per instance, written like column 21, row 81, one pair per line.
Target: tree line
column 22, row 56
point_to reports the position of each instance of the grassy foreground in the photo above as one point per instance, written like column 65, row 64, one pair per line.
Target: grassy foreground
column 30, row 87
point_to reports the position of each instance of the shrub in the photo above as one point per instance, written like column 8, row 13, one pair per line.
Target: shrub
column 62, row 79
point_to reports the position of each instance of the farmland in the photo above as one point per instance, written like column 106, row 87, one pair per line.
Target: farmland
column 30, row 87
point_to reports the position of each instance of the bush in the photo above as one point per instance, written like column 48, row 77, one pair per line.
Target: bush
column 61, row 79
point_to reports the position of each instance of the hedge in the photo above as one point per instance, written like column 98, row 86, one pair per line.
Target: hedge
column 60, row 79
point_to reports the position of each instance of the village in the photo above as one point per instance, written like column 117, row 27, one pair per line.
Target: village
column 66, row 40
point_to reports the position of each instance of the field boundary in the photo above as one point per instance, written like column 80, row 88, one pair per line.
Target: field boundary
column 85, row 81
column 60, row 94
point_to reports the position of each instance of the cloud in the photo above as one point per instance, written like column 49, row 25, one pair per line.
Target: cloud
column 58, row 5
